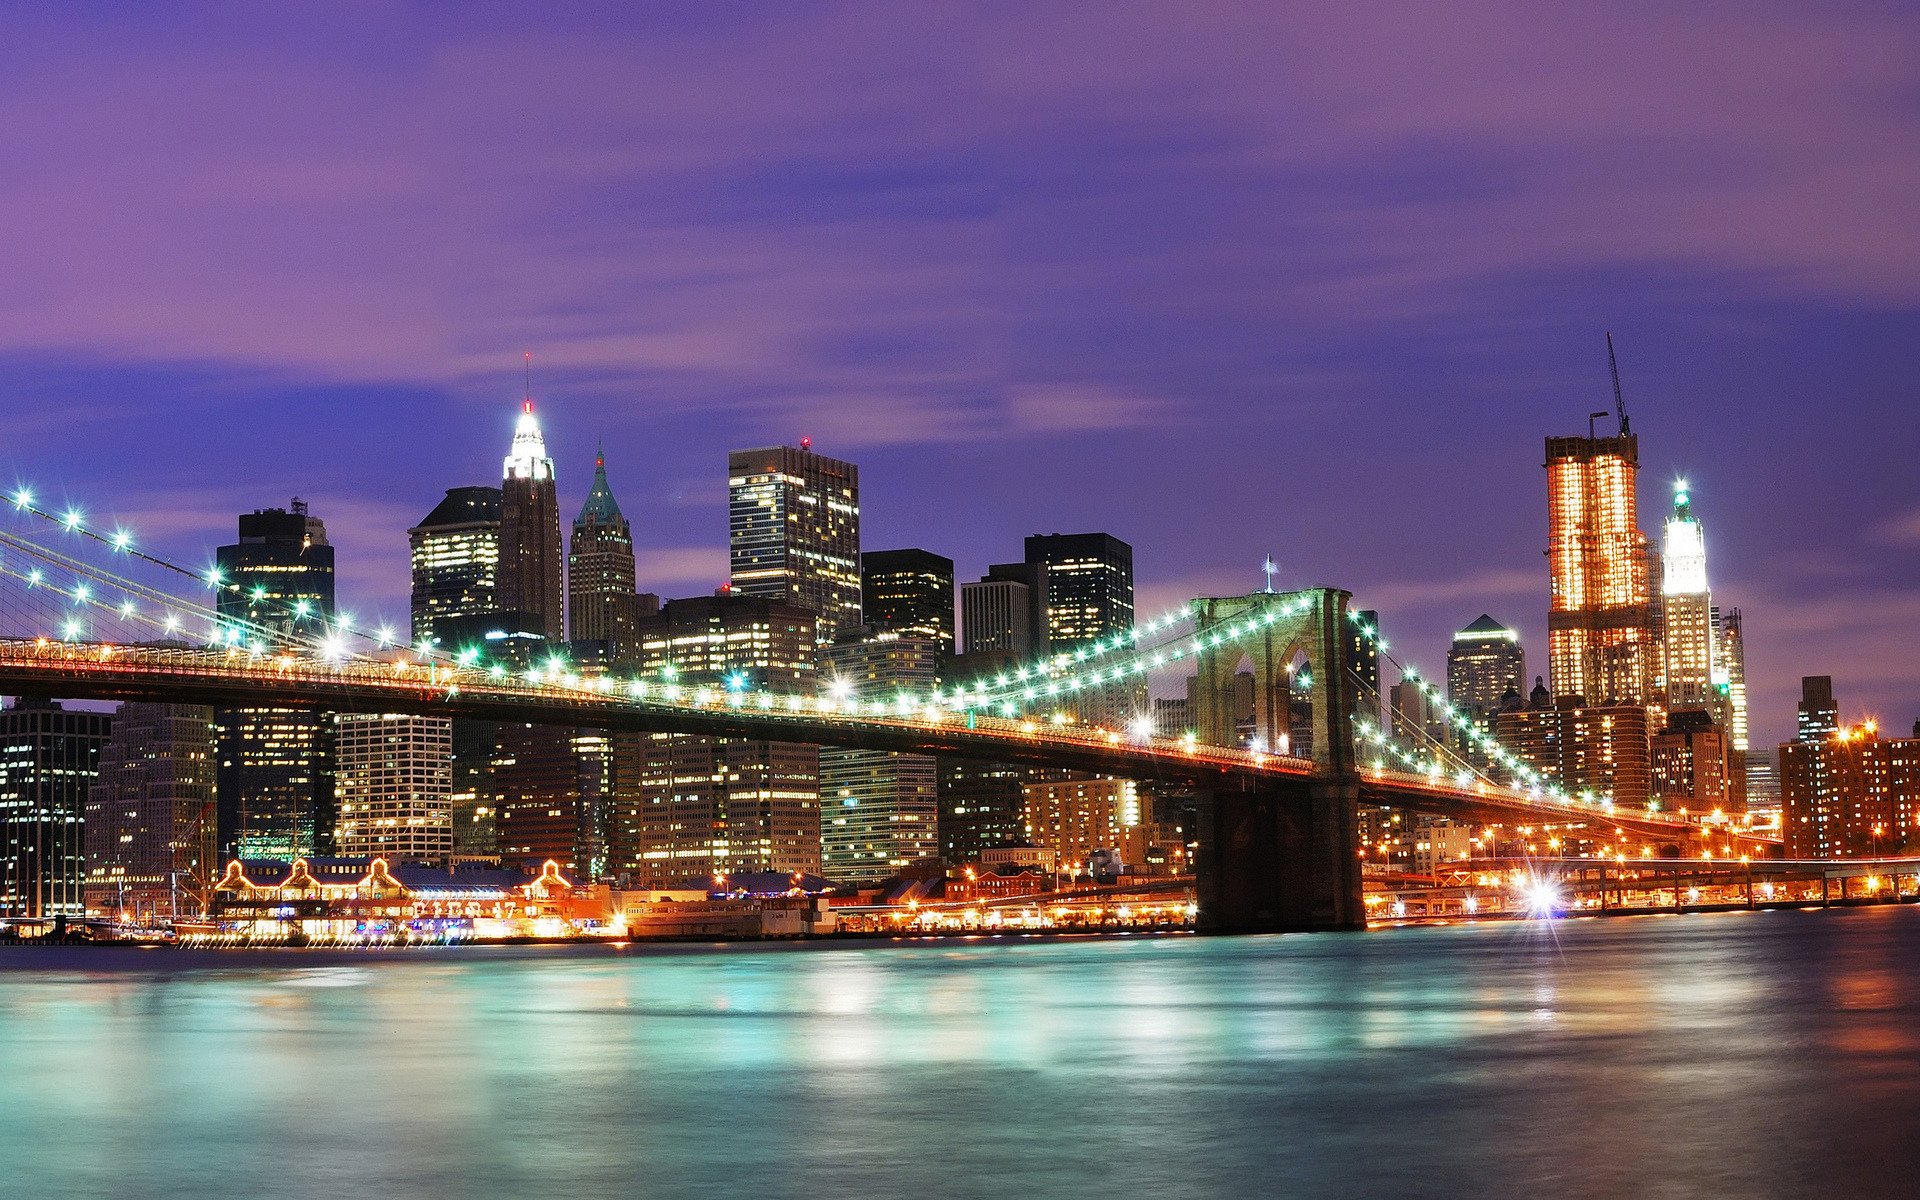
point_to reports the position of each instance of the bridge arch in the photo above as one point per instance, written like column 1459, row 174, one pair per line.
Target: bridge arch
column 1293, row 625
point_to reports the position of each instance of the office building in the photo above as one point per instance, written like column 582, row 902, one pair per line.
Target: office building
column 1819, row 715
column 455, row 552
column 1363, row 650
column 1686, row 605
column 1600, row 621
column 603, row 605
column 1088, row 587
column 275, row 772
column 151, row 844
column 1485, row 664
column 1695, row 765
column 909, row 592
column 393, row 784
column 1599, row 750
column 879, row 811
column 49, row 756
column 709, row 806
column 1730, row 665
column 1004, row 613
column 1851, row 794
column 1073, row 819
column 793, row 532
column 531, row 568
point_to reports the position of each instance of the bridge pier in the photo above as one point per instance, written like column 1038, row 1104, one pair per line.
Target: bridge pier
column 1280, row 859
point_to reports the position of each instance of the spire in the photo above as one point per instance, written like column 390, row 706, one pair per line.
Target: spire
column 601, row 508
column 528, row 458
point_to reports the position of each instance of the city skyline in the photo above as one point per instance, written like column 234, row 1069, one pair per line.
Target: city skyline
column 765, row 294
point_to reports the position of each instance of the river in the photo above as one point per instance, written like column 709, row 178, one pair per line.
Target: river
column 1724, row 1055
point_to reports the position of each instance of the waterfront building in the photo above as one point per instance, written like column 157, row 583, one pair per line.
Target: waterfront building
column 393, row 783
column 908, row 592
column 455, row 555
column 1851, row 794
column 708, row 806
column 1073, row 819
column 793, row 532
column 879, row 811
column 1695, row 765
column 361, row 900
column 150, row 836
column 981, row 804
column 566, row 794
column 1595, row 750
column 1819, row 715
column 531, row 568
column 1600, row 622
column 49, row 757
column 603, row 604
column 275, row 772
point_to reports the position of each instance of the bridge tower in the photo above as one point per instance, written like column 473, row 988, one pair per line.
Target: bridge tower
column 1280, row 855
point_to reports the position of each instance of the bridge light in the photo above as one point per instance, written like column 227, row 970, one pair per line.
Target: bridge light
column 214, row 578
column 72, row 630
column 34, row 577
column 22, row 498
column 122, row 539
column 72, row 519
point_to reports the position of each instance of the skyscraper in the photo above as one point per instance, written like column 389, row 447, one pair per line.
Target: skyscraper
column 1005, row 613
column 793, row 531
column 602, row 603
column 49, row 756
column 1687, row 610
column 908, row 592
column 1600, row 620
column 531, row 568
column 710, row 806
column 878, row 810
column 1484, row 663
column 1596, row 750
column 1819, row 712
column 275, row 790
column 1088, row 587
column 456, row 560
column 1363, row 651
column 150, row 832
column 1730, row 665
column 394, row 783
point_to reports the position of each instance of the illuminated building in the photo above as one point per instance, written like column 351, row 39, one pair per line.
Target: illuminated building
column 1695, row 765
column 793, row 532
column 908, row 592
column 275, row 774
column 455, row 552
column 710, row 806
column 1088, row 587
column 1730, row 666
column 1686, row 604
column 359, row 900
column 1589, row 750
column 150, row 837
column 1363, row 651
column 1005, row 613
column 981, row 802
column 1600, row 621
column 49, row 756
column 393, row 784
column 602, row 605
column 1819, row 714
column 878, row 811
column 1484, row 663
column 531, row 568
column 1074, row 818
column 1851, row 794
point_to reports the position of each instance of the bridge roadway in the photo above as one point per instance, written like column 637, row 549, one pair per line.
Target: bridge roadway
column 234, row 678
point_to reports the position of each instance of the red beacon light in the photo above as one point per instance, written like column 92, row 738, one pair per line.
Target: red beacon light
column 806, row 443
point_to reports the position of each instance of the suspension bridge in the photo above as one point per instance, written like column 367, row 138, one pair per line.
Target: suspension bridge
column 87, row 612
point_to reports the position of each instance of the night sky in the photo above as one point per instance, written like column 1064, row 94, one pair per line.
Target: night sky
column 1224, row 280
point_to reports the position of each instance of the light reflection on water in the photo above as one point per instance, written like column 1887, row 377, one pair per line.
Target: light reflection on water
column 1769, row 1054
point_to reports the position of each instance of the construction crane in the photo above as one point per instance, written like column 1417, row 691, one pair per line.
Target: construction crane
column 1619, row 402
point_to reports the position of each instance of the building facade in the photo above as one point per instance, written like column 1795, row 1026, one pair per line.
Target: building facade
column 1819, row 713
column 393, row 782
column 531, row 568
column 1600, row 750
column 603, row 603
column 793, row 532
column 879, row 811
column 1088, row 586
column 49, row 758
column 1485, row 667
column 275, row 771
column 909, row 592
column 1686, row 606
column 1851, row 794
column 455, row 556
column 1600, row 620
column 151, row 840
column 1695, row 765
column 1000, row 615
column 1075, row 818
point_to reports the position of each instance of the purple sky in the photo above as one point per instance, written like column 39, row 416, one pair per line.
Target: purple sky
column 1221, row 279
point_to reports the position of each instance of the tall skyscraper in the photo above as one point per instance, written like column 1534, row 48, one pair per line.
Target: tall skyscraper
column 1819, row 712
column 1600, row 621
column 531, row 568
column 456, row 560
column 602, row 603
column 49, row 756
column 1089, row 587
column 793, row 531
column 275, row 790
column 878, row 810
column 151, row 848
column 1730, row 667
column 394, row 783
column 1484, row 663
column 719, row 805
column 564, row 794
column 1687, row 611
column 908, row 592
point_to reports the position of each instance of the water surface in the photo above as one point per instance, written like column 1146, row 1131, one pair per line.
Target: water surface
column 1748, row 1054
